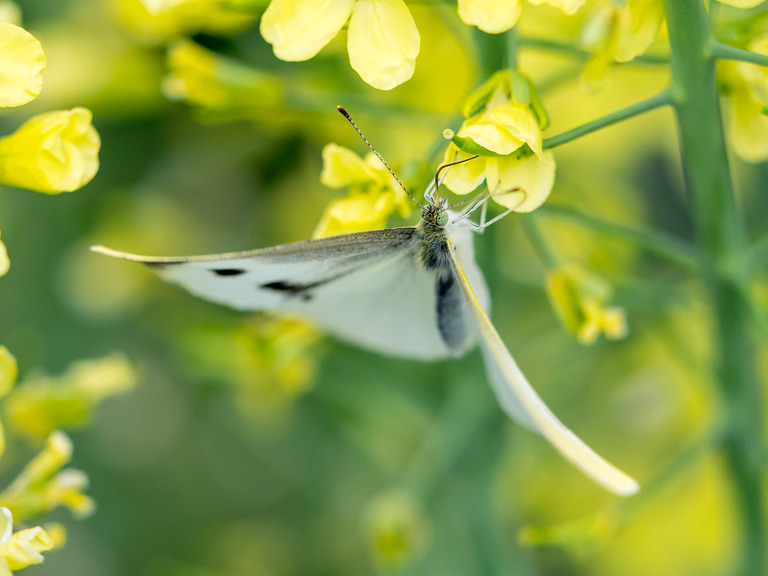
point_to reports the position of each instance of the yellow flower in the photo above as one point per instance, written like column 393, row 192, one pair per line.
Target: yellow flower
column 5, row 263
column 206, row 79
column 22, row 61
column 506, row 134
column 156, row 21
column 374, row 195
column 42, row 485
column 567, row 6
column 397, row 529
column 618, row 33
column 23, row 548
column 496, row 16
column 580, row 301
column 40, row 404
column 382, row 39
column 51, row 153
column 491, row 16
column 8, row 371
column 747, row 88
column 742, row 3
column 10, row 12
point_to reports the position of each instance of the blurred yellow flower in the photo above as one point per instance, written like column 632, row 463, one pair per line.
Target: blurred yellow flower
column 506, row 134
column 205, row 79
column 8, row 371
column 567, row 6
column 5, row 263
column 10, row 12
column 155, row 21
column 580, row 300
column 619, row 32
column 51, row 153
column 23, row 548
column 23, row 61
column 496, row 16
column 397, row 529
column 491, row 16
column 374, row 194
column 747, row 88
column 40, row 404
column 42, row 486
column 742, row 3
column 382, row 38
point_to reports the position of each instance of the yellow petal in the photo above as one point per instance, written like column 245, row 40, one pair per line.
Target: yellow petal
column 354, row 214
column 567, row 6
column 21, row 62
column 25, row 547
column 383, row 42
column 533, row 176
column 742, row 3
column 342, row 167
column 489, row 135
column 8, row 371
column 491, row 16
column 520, row 122
column 748, row 126
column 51, row 153
column 5, row 263
column 463, row 178
column 298, row 29
column 6, row 525
column 10, row 12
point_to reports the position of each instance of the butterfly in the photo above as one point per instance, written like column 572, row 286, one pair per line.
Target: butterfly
column 414, row 292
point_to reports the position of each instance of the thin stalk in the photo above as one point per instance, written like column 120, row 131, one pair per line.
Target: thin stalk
column 727, row 52
column 545, row 44
column 654, row 242
column 721, row 238
column 537, row 240
column 620, row 115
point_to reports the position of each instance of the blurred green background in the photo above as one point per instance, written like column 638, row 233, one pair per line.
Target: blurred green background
column 230, row 460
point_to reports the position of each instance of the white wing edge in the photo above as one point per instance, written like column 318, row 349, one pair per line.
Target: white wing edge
column 518, row 392
column 132, row 257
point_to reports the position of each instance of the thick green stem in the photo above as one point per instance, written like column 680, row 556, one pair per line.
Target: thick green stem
column 720, row 237
column 620, row 115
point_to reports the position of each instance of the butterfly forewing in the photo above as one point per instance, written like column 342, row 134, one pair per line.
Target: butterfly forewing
column 366, row 288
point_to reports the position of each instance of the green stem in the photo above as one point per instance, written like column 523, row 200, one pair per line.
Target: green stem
column 538, row 242
column 655, row 242
column 625, row 113
column 548, row 45
column 727, row 52
column 720, row 236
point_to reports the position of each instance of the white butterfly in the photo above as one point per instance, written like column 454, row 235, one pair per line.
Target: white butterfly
column 414, row 292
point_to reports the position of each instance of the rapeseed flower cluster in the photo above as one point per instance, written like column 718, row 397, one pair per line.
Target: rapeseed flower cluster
column 746, row 87
column 50, row 153
column 374, row 194
column 504, row 119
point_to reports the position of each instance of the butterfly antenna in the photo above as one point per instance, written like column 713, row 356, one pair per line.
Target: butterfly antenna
column 349, row 118
column 445, row 167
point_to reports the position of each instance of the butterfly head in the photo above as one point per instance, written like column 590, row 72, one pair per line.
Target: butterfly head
column 435, row 214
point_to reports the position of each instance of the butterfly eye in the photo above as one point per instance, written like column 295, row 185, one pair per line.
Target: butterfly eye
column 442, row 218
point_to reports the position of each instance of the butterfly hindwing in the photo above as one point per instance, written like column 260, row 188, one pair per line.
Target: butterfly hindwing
column 520, row 401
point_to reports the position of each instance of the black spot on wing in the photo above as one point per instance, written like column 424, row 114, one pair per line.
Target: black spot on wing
column 450, row 319
column 228, row 271
column 295, row 288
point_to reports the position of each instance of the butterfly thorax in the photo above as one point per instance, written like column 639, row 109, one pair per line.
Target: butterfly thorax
column 433, row 249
